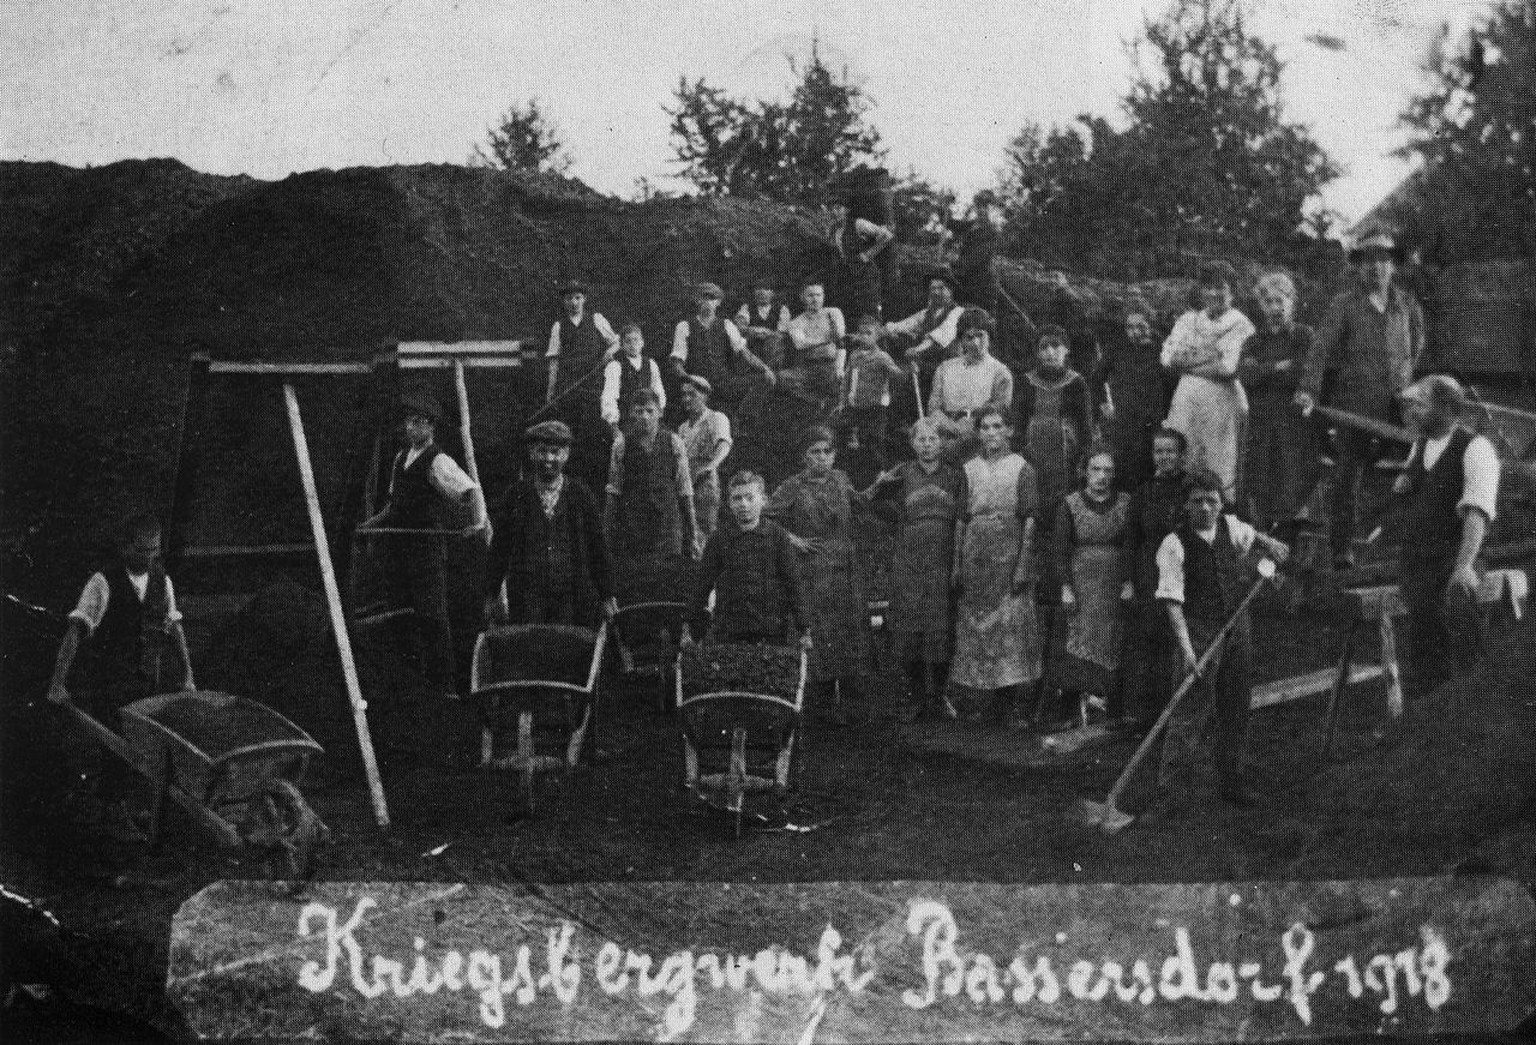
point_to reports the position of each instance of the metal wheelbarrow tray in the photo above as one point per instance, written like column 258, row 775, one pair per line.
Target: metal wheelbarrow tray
column 537, row 679
column 737, row 739
column 232, row 763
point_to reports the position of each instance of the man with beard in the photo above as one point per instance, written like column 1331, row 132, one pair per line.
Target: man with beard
column 548, row 547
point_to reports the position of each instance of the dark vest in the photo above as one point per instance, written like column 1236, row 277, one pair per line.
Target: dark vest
column 1431, row 526
column 932, row 321
column 1213, row 575
column 129, row 643
column 412, row 497
column 632, row 380
column 709, row 349
column 648, row 511
column 581, row 348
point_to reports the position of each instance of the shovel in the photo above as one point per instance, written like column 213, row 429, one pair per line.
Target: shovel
column 1107, row 815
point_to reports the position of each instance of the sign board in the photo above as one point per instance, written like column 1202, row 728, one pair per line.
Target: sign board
column 855, row 962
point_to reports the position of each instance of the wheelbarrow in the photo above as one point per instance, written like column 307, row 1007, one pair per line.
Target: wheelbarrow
column 537, row 679
column 647, row 635
column 737, row 739
column 233, row 764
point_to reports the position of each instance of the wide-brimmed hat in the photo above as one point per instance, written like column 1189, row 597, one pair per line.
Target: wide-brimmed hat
column 573, row 286
column 418, row 403
column 550, row 433
column 1379, row 241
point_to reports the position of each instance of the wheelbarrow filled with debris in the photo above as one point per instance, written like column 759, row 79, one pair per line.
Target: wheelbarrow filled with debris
column 647, row 635
column 234, row 764
column 740, row 708
column 539, row 684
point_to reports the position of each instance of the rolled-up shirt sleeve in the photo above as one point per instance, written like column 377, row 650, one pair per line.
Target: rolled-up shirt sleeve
column 1242, row 534
column 604, row 329
column 1170, row 570
column 680, row 342
column 92, row 606
column 553, row 351
column 608, row 402
column 451, row 480
column 1480, row 485
column 684, row 474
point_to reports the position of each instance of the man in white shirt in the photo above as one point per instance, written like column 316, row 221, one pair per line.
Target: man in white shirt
column 626, row 372
column 423, row 476
column 929, row 333
column 710, row 346
column 127, row 621
column 1446, row 499
column 1202, row 580
column 578, row 340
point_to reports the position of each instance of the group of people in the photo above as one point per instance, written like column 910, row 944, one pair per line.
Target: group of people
column 1060, row 539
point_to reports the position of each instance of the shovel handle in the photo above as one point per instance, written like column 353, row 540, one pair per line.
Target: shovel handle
column 1190, row 679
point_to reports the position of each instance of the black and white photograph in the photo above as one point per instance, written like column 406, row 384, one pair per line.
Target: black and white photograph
column 809, row 521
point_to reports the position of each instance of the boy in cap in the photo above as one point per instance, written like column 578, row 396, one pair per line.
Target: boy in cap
column 648, row 513
column 549, row 560
column 421, row 479
column 579, row 340
column 763, row 321
column 126, row 619
column 1446, row 500
column 706, row 436
column 710, row 346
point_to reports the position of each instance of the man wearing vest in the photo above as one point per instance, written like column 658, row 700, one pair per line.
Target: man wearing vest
column 648, row 513
column 1446, row 501
column 416, row 564
column 763, row 322
column 580, row 344
column 928, row 336
column 1202, row 579
column 626, row 374
column 710, row 346
column 1367, row 346
column 127, row 621
column 549, row 550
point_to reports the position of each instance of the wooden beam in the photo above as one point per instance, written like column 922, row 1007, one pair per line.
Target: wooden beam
column 333, row 601
column 1299, row 687
column 223, row 551
column 467, row 440
column 257, row 369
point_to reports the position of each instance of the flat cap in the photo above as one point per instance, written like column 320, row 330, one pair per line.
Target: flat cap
column 708, row 290
column 553, row 433
column 420, row 403
column 1379, row 241
column 572, row 286
column 695, row 381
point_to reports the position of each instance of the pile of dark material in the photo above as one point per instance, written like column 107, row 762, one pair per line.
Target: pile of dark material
column 538, row 653
column 719, row 667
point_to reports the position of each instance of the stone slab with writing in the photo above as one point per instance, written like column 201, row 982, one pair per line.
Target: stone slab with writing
column 855, row 962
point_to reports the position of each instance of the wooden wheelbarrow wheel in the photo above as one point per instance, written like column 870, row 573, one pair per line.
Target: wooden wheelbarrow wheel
column 280, row 823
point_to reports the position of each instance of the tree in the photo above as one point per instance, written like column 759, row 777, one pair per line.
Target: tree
column 524, row 140
column 1206, row 163
column 792, row 152
column 1475, row 130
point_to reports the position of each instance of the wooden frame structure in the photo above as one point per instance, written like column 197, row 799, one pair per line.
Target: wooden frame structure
column 327, row 548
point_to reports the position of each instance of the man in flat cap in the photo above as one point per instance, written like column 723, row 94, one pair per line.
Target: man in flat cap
column 1368, row 345
column 928, row 337
column 422, row 479
column 709, row 345
column 581, row 342
column 1445, row 501
column 549, row 562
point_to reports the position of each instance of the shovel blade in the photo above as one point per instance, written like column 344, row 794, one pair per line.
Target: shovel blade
column 1105, row 817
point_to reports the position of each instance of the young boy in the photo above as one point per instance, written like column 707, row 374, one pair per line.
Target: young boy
column 706, row 436
column 126, row 619
column 423, row 476
column 763, row 321
column 1202, row 579
column 627, row 373
column 750, row 568
column 648, row 515
column 867, row 390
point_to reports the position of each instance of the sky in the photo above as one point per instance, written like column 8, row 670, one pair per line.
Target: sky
column 269, row 87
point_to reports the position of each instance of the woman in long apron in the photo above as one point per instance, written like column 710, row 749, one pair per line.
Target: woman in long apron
column 1209, row 405
column 929, row 493
column 1091, row 558
column 816, row 506
column 997, row 642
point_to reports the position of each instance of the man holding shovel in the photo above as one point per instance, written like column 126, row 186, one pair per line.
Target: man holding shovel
column 1201, row 583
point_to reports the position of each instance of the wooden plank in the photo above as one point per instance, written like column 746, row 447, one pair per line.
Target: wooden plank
column 261, row 369
column 1390, row 669
column 1374, row 603
column 224, row 551
column 1299, row 687
column 333, row 601
column 460, row 348
column 467, row 439
column 473, row 362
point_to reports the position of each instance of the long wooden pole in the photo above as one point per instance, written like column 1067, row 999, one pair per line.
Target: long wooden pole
column 333, row 601
column 468, row 441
